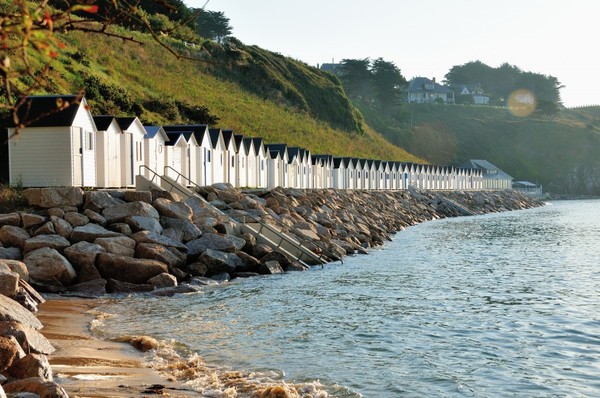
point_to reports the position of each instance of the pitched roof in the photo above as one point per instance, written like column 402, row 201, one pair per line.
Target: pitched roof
column 227, row 137
column 42, row 111
column 199, row 130
column 125, row 122
column 423, row 84
column 247, row 144
column 214, row 136
column 174, row 136
column 151, row 131
column 103, row 122
column 491, row 171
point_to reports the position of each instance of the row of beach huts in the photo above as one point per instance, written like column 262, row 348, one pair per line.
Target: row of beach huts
column 74, row 148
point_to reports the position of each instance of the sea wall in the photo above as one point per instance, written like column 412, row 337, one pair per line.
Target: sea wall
column 98, row 242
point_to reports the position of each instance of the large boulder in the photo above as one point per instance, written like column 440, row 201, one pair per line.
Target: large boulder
column 61, row 227
column 29, row 220
column 139, row 223
column 83, row 253
column 16, row 266
column 10, row 310
column 94, row 287
column 224, row 243
column 120, row 212
column 53, row 197
column 120, row 245
column 49, row 266
column 196, row 204
column 90, row 233
column 150, row 237
column 127, row 269
column 218, row 262
column 76, row 219
column 179, row 210
column 189, row 230
column 270, row 268
column 137, row 196
column 10, row 351
column 31, row 365
column 13, row 236
column 100, row 200
column 9, row 281
column 115, row 286
column 13, row 219
column 46, row 228
column 36, row 385
column 172, row 257
column 10, row 253
column 94, row 217
column 52, row 241
column 30, row 339
column 163, row 280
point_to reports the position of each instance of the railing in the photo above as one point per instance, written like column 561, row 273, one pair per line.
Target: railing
column 283, row 237
column 157, row 176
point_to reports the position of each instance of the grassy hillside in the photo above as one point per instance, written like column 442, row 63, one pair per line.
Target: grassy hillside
column 561, row 153
column 253, row 91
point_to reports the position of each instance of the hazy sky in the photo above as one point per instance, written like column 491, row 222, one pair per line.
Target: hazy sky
column 428, row 37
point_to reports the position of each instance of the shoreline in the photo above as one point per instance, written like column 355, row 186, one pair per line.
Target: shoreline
column 86, row 365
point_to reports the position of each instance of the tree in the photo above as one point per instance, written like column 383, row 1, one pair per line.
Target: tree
column 388, row 84
column 29, row 45
column 356, row 77
column 213, row 25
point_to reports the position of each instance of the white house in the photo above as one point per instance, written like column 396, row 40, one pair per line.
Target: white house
column 218, row 159
column 242, row 161
column 262, row 173
column 277, row 165
column 108, row 152
column 424, row 90
column 200, row 152
column 132, row 148
column 58, row 147
column 323, row 174
column 231, row 157
column 251, row 163
column 176, row 156
column 154, row 150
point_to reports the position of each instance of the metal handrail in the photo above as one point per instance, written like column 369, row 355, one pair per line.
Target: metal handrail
column 158, row 176
column 301, row 242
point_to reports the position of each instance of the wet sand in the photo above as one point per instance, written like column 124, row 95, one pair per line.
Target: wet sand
column 89, row 366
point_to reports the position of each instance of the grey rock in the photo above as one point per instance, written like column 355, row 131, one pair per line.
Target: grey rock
column 163, row 280
column 171, row 291
column 196, row 204
column 261, row 250
column 224, row 243
column 116, row 286
column 10, row 310
column 94, row 217
column 100, row 200
column 250, row 263
column 119, row 245
column 13, row 236
column 16, row 266
column 179, row 210
column 203, row 281
column 30, row 339
column 127, row 269
column 53, row 197
column 120, row 212
column 173, row 234
column 90, row 233
column 244, row 274
column 197, row 269
column 76, row 219
column 221, row 277
column 190, row 231
column 46, row 228
column 49, row 266
column 13, row 219
column 52, row 241
column 83, row 253
column 149, row 237
column 172, row 196
column 172, row 257
column 138, row 223
column 56, row 212
column 35, row 385
column 10, row 253
column 29, row 220
column 137, row 196
column 218, row 262
column 121, row 228
column 296, row 266
column 276, row 256
column 61, row 227
column 95, row 287
column 9, row 281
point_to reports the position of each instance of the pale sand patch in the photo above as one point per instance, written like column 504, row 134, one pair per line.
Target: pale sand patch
column 88, row 366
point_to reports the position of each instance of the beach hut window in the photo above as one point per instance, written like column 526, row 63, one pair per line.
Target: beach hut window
column 160, row 148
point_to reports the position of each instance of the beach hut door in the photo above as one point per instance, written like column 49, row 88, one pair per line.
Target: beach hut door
column 77, row 156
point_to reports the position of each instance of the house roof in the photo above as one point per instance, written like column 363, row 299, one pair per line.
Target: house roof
column 174, row 136
column 227, row 137
column 491, row 171
column 125, row 122
column 214, row 136
column 199, row 130
column 239, row 140
column 281, row 148
column 247, row 144
column 419, row 84
column 42, row 111
column 152, row 131
column 103, row 122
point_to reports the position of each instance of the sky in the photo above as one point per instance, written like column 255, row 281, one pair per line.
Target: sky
column 428, row 37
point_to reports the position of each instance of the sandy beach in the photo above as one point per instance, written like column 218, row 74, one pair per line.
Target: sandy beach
column 88, row 366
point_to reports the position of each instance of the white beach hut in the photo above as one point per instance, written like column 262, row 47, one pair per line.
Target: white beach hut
column 132, row 148
column 108, row 152
column 154, row 150
column 58, row 146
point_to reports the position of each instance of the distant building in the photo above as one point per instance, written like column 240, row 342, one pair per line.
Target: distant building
column 493, row 177
column 528, row 188
column 426, row 91
column 474, row 92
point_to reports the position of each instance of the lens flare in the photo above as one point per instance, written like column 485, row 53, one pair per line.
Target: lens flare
column 521, row 103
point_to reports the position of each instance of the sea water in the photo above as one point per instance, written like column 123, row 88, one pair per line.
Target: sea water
column 501, row 305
